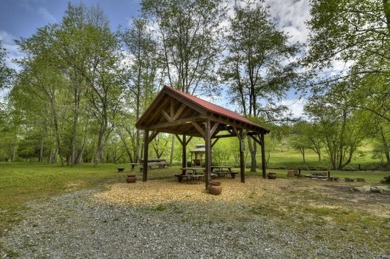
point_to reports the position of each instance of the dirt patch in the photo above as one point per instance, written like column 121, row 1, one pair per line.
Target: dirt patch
column 283, row 194
column 75, row 185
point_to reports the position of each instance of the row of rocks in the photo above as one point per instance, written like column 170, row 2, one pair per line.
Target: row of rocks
column 368, row 188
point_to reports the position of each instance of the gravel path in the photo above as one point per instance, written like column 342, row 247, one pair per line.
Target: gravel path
column 78, row 225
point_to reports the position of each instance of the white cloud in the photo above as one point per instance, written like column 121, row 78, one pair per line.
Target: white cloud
column 295, row 106
column 8, row 42
column 290, row 16
column 5, row 37
column 46, row 14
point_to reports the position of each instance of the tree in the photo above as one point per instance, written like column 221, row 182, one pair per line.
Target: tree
column 306, row 135
column 189, row 39
column 8, row 142
column 74, row 70
column 142, row 84
column 257, row 67
column 9, row 133
column 357, row 34
column 6, row 73
column 299, row 140
column 43, row 84
column 101, row 70
column 341, row 129
column 357, row 31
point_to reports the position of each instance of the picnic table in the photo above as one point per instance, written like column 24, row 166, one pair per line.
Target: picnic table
column 194, row 174
column 160, row 163
column 222, row 170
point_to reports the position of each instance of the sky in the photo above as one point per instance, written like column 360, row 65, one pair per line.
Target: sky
column 22, row 18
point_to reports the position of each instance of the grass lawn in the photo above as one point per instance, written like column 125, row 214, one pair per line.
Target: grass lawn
column 291, row 159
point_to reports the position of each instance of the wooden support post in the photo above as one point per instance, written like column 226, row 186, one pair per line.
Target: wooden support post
column 263, row 165
column 145, row 161
column 208, row 154
column 242, row 156
column 184, row 142
column 184, row 153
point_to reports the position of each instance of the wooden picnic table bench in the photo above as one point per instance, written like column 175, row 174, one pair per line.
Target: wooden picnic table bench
column 191, row 178
column 160, row 163
column 223, row 170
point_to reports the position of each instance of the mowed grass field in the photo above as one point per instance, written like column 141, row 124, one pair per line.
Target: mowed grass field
column 291, row 159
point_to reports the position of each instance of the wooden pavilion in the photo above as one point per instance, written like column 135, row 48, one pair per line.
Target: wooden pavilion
column 186, row 116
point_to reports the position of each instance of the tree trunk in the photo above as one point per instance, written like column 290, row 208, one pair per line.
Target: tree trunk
column 386, row 147
column 386, row 9
column 57, row 133
column 137, row 146
column 252, row 150
column 74, row 133
column 127, row 149
column 99, row 148
column 172, row 149
column 79, row 156
column 41, row 151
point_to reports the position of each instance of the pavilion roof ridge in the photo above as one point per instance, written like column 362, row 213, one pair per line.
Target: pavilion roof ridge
column 213, row 108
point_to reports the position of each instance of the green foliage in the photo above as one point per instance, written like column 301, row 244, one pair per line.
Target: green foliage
column 339, row 128
column 141, row 86
column 189, row 35
column 72, row 70
column 6, row 73
column 257, row 68
column 349, row 30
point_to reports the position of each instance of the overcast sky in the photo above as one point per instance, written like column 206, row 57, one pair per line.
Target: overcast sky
column 22, row 18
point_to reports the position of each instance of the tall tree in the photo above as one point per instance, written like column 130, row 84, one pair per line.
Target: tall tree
column 355, row 34
column 306, row 135
column 7, row 127
column 5, row 72
column 356, row 30
column 189, row 35
column 75, row 68
column 100, row 67
column 341, row 130
column 143, row 81
column 257, row 67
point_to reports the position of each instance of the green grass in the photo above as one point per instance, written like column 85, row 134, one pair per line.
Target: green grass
column 290, row 159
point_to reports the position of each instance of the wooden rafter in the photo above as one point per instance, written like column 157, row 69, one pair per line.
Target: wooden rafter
column 199, row 129
column 174, row 123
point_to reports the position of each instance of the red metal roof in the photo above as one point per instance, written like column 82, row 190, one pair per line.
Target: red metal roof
column 213, row 108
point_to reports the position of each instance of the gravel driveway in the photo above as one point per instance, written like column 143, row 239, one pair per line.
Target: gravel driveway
column 83, row 224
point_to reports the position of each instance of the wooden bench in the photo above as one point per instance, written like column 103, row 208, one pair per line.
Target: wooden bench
column 159, row 163
column 319, row 175
column 191, row 178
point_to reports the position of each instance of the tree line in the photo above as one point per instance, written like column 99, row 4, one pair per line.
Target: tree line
column 81, row 86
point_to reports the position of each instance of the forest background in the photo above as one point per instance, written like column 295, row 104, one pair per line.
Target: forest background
column 82, row 86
